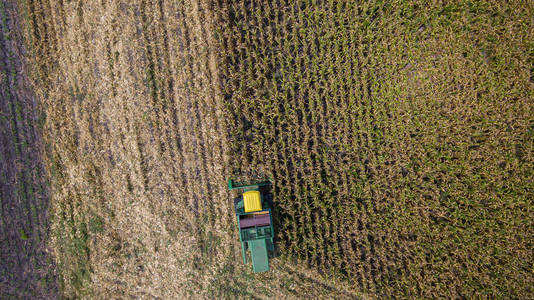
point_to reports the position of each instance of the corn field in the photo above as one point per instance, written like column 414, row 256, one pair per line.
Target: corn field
column 399, row 135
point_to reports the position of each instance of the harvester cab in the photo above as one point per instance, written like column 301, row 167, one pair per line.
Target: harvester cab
column 254, row 220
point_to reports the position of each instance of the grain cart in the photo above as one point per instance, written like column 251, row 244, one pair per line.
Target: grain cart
column 255, row 223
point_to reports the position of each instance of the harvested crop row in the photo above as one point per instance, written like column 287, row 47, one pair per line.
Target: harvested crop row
column 121, row 140
column 136, row 135
column 399, row 136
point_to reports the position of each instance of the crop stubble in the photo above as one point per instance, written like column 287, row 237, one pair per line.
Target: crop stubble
column 399, row 136
column 136, row 149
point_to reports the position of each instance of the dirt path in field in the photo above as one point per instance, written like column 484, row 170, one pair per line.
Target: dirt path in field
column 26, row 268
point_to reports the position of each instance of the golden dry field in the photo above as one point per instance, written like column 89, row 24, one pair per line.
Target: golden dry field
column 400, row 136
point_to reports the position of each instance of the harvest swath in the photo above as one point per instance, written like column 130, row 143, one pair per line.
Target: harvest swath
column 137, row 153
column 399, row 135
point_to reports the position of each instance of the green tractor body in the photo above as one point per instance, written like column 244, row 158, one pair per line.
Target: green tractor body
column 254, row 220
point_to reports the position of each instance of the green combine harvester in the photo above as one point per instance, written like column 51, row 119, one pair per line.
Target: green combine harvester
column 255, row 223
